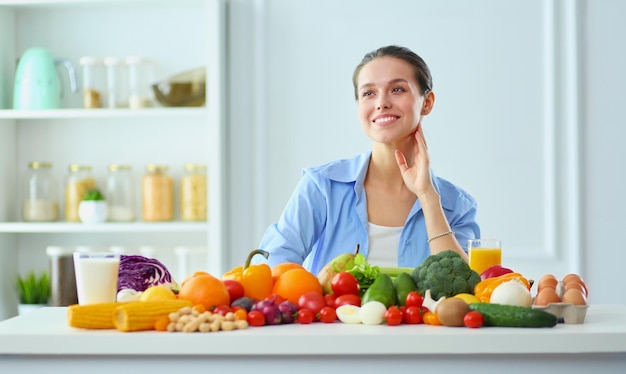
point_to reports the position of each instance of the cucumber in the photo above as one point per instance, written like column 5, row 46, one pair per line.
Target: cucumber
column 513, row 316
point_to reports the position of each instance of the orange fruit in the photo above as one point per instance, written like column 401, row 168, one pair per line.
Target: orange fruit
column 280, row 269
column 205, row 289
column 295, row 282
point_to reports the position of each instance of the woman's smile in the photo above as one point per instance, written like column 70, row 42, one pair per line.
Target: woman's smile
column 385, row 119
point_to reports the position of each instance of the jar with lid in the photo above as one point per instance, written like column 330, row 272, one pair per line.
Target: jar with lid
column 117, row 82
column 62, row 276
column 157, row 189
column 119, row 193
column 193, row 193
column 79, row 181
column 94, row 81
column 40, row 202
column 140, row 80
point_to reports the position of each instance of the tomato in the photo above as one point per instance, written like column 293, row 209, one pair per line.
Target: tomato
column 312, row 300
column 234, row 288
column 344, row 283
column 222, row 309
column 393, row 316
column 277, row 299
column 473, row 319
column 412, row 315
column 256, row 318
column 413, row 298
column 330, row 300
column 305, row 316
column 431, row 318
column 347, row 299
column 241, row 314
column 328, row 314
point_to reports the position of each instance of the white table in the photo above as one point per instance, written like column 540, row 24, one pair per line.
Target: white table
column 42, row 342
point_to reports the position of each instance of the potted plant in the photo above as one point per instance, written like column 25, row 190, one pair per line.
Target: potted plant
column 33, row 291
column 93, row 208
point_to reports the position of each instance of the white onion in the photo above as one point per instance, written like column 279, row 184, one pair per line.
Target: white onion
column 512, row 292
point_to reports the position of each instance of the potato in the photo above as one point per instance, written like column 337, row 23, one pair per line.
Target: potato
column 451, row 311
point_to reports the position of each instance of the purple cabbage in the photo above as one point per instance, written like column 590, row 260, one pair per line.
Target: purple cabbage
column 139, row 272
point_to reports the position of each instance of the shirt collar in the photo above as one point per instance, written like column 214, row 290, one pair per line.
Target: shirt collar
column 354, row 170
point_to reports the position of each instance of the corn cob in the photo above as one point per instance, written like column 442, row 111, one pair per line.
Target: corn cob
column 92, row 316
column 141, row 315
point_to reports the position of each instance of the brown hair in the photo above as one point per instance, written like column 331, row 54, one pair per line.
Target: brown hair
column 422, row 72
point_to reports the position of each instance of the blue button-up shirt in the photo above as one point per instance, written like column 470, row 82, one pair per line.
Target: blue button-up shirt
column 327, row 215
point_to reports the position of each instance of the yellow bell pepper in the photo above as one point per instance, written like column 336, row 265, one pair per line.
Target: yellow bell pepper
column 256, row 279
column 484, row 288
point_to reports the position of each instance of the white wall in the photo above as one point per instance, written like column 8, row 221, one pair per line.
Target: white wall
column 511, row 123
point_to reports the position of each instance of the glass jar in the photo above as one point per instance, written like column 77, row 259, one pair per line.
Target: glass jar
column 119, row 193
column 157, row 189
column 193, row 193
column 140, row 80
column 79, row 181
column 62, row 276
column 40, row 194
column 117, row 82
column 94, row 82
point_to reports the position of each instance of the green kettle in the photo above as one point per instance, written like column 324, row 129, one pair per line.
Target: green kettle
column 37, row 84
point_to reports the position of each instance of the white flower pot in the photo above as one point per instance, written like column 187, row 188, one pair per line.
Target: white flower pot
column 27, row 308
column 93, row 211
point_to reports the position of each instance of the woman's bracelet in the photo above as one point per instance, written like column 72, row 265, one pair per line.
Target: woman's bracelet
column 440, row 235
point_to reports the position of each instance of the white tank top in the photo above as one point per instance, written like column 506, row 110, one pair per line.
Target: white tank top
column 384, row 242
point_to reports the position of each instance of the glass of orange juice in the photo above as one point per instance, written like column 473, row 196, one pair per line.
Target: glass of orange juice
column 484, row 253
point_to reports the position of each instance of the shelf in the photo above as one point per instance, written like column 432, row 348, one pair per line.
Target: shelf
column 109, row 227
column 103, row 113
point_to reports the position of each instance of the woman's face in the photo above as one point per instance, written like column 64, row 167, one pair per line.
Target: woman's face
column 390, row 100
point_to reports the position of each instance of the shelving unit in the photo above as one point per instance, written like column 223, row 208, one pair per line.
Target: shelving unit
column 178, row 35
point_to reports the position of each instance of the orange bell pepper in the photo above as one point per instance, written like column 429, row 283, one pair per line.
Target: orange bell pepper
column 256, row 279
column 483, row 289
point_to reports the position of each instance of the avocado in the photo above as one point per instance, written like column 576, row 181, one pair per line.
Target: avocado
column 403, row 284
column 381, row 290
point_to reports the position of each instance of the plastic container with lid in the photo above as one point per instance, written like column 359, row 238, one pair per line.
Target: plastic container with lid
column 79, row 181
column 62, row 276
column 119, row 193
column 117, row 82
column 40, row 199
column 140, row 80
column 193, row 193
column 94, row 81
column 157, row 190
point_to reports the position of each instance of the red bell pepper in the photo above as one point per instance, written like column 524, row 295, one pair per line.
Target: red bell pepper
column 494, row 271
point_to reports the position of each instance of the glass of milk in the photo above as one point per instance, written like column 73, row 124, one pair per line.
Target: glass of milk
column 96, row 276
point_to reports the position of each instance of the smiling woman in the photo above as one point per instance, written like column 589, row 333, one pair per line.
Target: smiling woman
column 337, row 205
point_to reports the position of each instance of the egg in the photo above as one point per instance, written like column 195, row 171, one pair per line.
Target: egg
column 548, row 281
column 574, row 296
column 575, row 286
column 571, row 276
column 546, row 296
column 348, row 313
column 578, row 281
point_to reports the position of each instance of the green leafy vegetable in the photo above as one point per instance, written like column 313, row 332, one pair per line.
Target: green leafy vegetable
column 364, row 273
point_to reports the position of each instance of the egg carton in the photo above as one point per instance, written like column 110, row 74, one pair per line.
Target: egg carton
column 566, row 312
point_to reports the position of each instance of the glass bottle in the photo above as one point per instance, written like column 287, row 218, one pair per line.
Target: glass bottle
column 94, row 82
column 140, row 80
column 40, row 194
column 193, row 193
column 157, row 189
column 79, row 181
column 119, row 193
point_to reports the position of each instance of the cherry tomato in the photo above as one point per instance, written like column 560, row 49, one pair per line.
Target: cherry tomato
column 347, row 299
column 241, row 314
column 473, row 319
column 328, row 314
column 305, row 316
column 222, row 309
column 413, row 298
column 312, row 300
column 412, row 315
column 256, row 318
column 330, row 299
column 235, row 289
column 344, row 283
column 431, row 318
column 393, row 316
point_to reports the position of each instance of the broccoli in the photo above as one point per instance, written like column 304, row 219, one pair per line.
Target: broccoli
column 445, row 274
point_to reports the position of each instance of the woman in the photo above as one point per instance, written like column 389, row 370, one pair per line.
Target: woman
column 387, row 200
